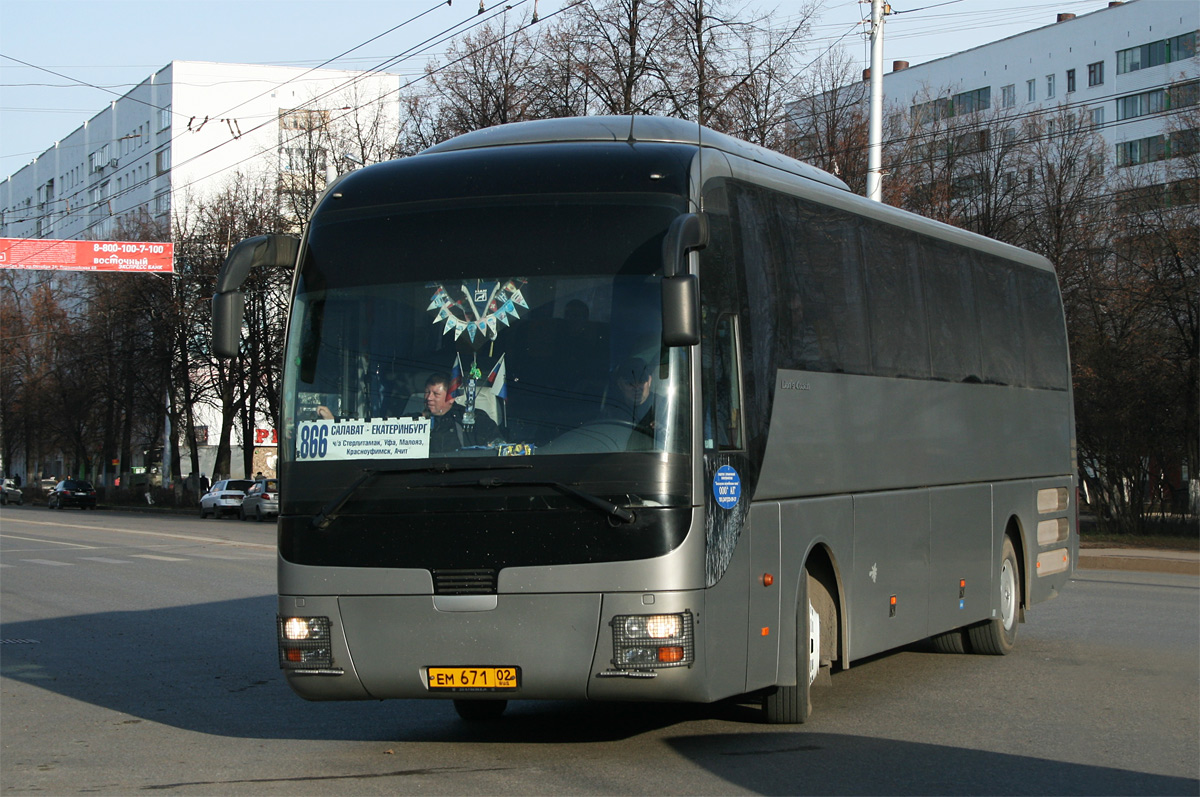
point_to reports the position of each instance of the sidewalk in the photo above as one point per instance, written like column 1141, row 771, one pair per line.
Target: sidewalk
column 1141, row 559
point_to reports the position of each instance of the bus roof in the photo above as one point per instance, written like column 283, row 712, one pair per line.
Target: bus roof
column 631, row 129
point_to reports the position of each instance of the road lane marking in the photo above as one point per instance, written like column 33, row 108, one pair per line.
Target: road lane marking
column 106, row 560
column 157, row 558
column 48, row 542
column 189, row 537
column 50, row 562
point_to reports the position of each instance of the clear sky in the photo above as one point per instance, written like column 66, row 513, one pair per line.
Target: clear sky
column 85, row 53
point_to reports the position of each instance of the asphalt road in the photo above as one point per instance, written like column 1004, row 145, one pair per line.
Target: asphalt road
column 138, row 656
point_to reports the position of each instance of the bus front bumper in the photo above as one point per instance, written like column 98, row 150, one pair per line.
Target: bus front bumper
column 564, row 646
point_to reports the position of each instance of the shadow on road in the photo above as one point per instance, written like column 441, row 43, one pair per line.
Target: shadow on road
column 211, row 668
column 823, row 763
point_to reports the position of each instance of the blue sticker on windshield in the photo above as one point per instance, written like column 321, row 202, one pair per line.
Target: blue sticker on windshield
column 727, row 486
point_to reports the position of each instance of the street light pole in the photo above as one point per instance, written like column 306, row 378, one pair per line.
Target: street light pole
column 875, row 123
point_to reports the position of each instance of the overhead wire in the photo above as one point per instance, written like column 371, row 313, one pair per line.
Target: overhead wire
column 441, row 37
column 415, row 50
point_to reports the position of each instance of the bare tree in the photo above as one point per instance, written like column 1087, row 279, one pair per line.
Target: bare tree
column 828, row 122
column 246, row 387
column 625, row 49
column 489, row 77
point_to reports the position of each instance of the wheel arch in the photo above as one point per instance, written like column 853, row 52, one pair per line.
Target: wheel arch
column 1014, row 531
column 822, row 564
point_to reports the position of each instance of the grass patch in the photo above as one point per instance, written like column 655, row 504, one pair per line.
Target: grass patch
column 1169, row 534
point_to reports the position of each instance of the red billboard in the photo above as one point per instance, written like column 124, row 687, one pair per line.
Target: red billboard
column 128, row 256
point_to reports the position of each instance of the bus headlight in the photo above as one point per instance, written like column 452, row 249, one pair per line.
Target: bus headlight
column 651, row 641
column 304, row 643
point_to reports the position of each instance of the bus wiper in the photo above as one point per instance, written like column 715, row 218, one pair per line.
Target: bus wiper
column 603, row 504
column 330, row 511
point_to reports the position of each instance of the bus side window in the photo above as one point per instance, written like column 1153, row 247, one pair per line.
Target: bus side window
column 723, row 413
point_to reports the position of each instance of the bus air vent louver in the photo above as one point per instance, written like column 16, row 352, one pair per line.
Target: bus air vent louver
column 473, row 581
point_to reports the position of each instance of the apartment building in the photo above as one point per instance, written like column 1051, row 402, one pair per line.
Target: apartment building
column 182, row 132
column 1129, row 67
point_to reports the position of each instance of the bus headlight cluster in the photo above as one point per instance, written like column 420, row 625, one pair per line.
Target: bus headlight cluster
column 304, row 643
column 651, row 641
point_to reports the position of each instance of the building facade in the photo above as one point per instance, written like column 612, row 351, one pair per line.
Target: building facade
column 180, row 136
column 183, row 131
column 1129, row 68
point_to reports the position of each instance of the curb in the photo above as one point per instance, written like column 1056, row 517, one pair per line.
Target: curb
column 1134, row 562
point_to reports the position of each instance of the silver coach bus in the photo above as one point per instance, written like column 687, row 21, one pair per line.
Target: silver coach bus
column 626, row 409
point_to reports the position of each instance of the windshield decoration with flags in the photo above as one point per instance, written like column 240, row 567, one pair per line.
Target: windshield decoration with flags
column 495, row 380
column 456, row 378
column 477, row 310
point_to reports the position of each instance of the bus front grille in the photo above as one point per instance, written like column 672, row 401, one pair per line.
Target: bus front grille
column 474, row 581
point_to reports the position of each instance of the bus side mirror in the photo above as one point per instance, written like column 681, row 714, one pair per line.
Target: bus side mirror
column 680, row 292
column 227, row 311
column 229, row 302
column 681, row 310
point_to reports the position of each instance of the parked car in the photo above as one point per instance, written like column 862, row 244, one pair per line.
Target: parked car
column 225, row 497
column 72, row 492
column 262, row 500
column 11, row 494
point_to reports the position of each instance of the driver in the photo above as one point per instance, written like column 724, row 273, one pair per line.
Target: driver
column 630, row 397
column 448, row 432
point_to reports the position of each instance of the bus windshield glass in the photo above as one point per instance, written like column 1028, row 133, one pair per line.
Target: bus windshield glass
column 484, row 329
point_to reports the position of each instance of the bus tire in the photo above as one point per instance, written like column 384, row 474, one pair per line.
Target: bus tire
column 950, row 641
column 478, row 710
column 792, row 705
column 997, row 636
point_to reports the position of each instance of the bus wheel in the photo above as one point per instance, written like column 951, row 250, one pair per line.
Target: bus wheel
column 950, row 642
column 475, row 710
column 792, row 704
column 997, row 636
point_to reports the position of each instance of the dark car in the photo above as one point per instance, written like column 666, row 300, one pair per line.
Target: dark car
column 72, row 492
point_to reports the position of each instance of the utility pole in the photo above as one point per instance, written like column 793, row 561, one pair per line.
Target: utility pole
column 875, row 124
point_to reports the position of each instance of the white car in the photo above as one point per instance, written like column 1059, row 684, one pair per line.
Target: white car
column 10, row 493
column 225, row 497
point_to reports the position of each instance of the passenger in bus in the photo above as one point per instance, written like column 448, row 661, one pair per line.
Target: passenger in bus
column 449, row 432
column 630, row 396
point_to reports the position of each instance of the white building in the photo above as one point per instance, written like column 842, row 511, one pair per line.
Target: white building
column 1127, row 66
column 183, row 131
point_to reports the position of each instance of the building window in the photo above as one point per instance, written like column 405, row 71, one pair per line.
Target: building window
column 1070, row 80
column 164, row 118
column 972, row 101
column 1096, row 74
column 1008, row 95
column 1098, row 116
column 1030, row 90
column 1184, row 143
column 1144, row 150
column 1180, row 95
column 1164, row 51
column 163, row 161
column 1049, row 87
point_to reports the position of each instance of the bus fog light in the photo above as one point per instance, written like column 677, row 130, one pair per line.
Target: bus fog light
column 637, row 638
column 304, row 642
column 638, row 657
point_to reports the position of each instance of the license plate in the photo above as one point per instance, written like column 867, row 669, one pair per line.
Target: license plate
column 473, row 679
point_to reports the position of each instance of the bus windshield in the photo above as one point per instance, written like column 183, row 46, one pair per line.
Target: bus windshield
column 484, row 329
